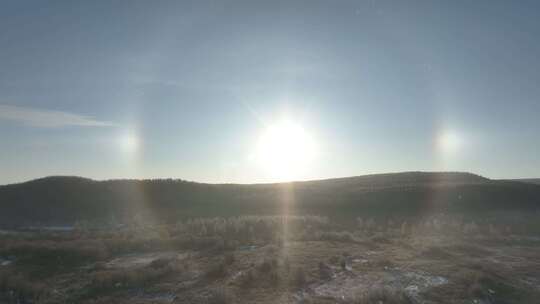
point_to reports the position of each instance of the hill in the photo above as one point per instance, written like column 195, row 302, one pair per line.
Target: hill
column 64, row 200
column 529, row 180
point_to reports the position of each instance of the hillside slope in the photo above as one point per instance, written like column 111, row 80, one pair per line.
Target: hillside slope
column 529, row 180
column 63, row 200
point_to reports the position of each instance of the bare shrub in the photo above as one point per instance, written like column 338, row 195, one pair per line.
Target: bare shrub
column 219, row 296
column 20, row 288
column 286, row 263
column 485, row 283
column 229, row 258
column 325, row 272
column 359, row 222
column 404, row 229
column 99, row 266
column 334, row 259
column 299, row 277
column 435, row 252
column 343, row 236
column 383, row 262
column 272, row 250
column 273, row 277
column 247, row 278
column 380, row 238
column 160, row 263
column 384, row 295
column 470, row 249
column 476, row 291
column 103, row 281
column 268, row 264
column 51, row 255
column 206, row 243
column 217, row 271
column 249, row 228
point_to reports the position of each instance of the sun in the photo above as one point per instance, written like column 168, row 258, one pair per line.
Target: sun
column 129, row 142
column 449, row 142
column 285, row 150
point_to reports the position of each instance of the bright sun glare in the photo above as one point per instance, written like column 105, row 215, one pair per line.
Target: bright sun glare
column 449, row 142
column 285, row 150
column 129, row 143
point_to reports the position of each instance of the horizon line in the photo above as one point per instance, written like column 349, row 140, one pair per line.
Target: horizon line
column 258, row 183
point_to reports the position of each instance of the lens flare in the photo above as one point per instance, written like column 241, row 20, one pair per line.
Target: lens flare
column 130, row 143
column 449, row 142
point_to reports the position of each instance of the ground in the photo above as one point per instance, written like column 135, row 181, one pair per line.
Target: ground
column 365, row 268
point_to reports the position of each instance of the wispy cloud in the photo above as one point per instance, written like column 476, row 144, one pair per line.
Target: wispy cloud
column 47, row 118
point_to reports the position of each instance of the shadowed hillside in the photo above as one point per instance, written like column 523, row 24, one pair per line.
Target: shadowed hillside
column 529, row 180
column 64, row 200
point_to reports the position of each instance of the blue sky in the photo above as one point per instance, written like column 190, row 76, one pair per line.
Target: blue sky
column 142, row 89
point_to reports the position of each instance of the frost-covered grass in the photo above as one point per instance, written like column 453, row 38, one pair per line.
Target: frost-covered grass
column 260, row 259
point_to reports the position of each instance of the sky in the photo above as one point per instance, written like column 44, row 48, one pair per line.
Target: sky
column 264, row 91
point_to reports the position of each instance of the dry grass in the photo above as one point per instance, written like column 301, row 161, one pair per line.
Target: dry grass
column 299, row 278
column 384, row 295
column 277, row 267
column 106, row 281
column 219, row 296
column 20, row 288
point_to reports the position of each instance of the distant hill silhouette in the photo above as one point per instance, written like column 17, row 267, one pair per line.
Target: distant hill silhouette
column 529, row 180
column 64, row 200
